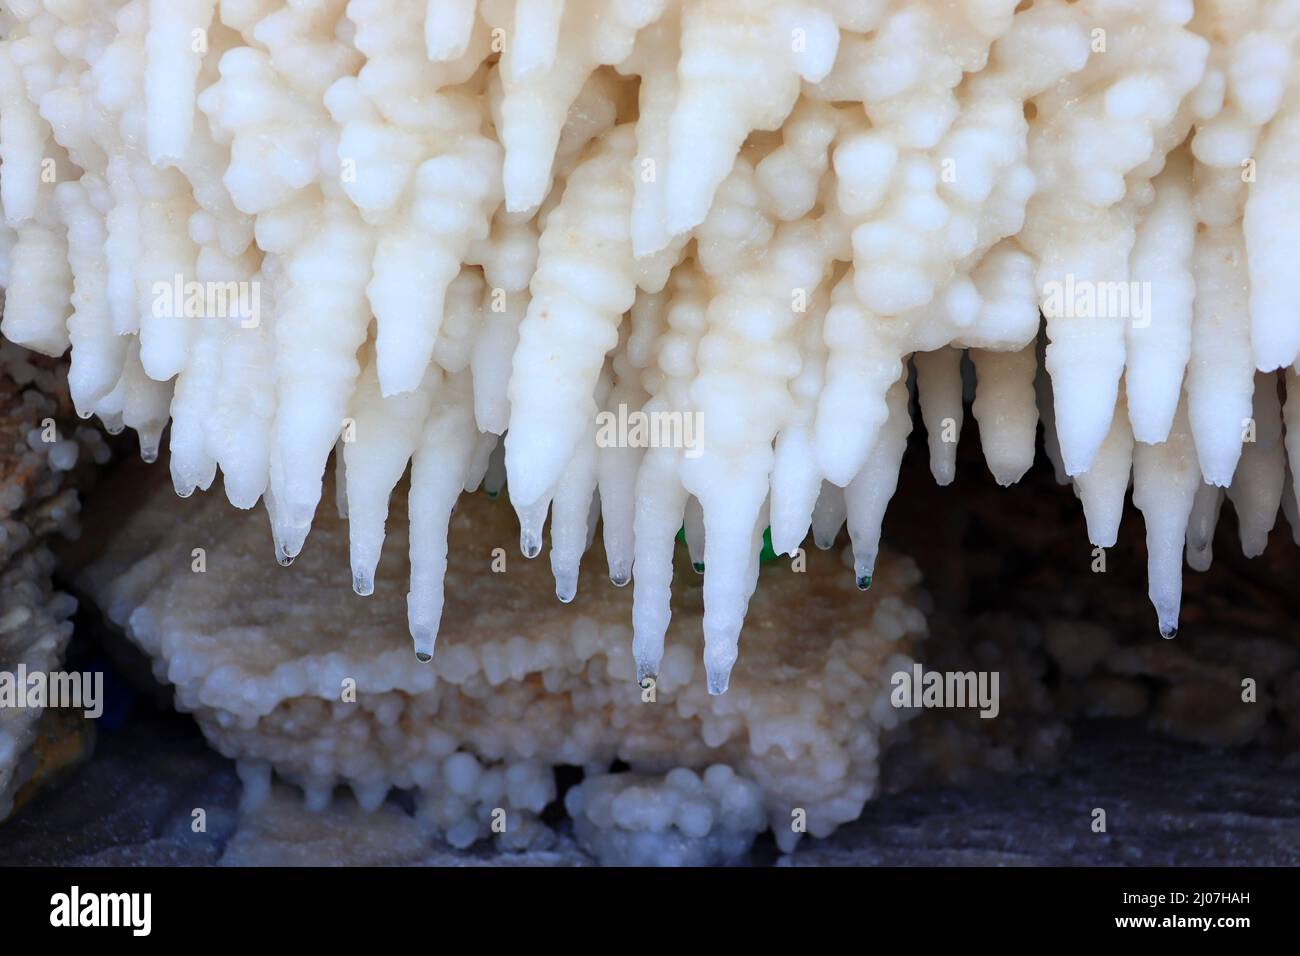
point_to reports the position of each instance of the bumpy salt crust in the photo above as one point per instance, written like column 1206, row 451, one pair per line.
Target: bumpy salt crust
column 467, row 220
column 293, row 679
column 36, row 503
column 680, row 819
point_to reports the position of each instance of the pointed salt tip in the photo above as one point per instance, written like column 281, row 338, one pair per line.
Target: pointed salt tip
column 566, row 591
column 698, row 566
column 423, row 639
column 619, row 577
column 824, row 545
column 148, row 455
column 363, row 584
column 183, row 491
column 531, row 547
column 1168, row 631
column 84, row 416
column 117, row 430
column 492, row 494
column 719, row 681
column 285, row 554
column 864, row 582
column 646, row 670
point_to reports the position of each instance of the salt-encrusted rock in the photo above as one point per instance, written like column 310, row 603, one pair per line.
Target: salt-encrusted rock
column 38, row 458
column 279, row 832
column 287, row 672
column 679, row 819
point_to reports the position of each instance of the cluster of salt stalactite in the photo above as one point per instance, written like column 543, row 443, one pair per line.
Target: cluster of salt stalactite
column 459, row 220
column 328, row 696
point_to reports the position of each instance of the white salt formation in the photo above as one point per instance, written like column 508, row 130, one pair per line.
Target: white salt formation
column 680, row 819
column 414, row 227
column 296, row 681
column 37, row 502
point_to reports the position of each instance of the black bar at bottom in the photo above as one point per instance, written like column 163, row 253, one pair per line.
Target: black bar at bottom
column 210, row 906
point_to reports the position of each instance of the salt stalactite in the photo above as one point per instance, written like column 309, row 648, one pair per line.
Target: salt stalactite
column 1158, row 345
column 542, row 72
column 438, row 474
column 733, row 80
column 1271, row 224
column 382, row 435
column 571, row 506
column 173, row 59
column 868, row 494
column 98, row 353
column 1220, row 376
column 1102, row 487
column 1005, row 410
column 1165, row 483
column 1201, row 525
column 586, row 279
column 660, row 496
column 1094, row 179
column 796, row 482
column 829, row 514
column 448, row 26
column 747, row 349
column 663, row 266
column 507, row 256
column 1257, row 487
column 938, row 385
column 618, row 463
